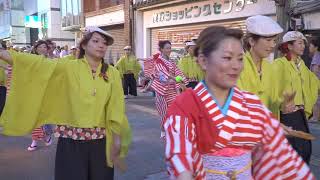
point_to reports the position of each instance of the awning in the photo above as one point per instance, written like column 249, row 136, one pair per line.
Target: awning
column 306, row 7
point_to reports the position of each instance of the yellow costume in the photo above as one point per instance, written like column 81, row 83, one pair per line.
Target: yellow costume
column 191, row 68
column 300, row 80
column 128, row 64
column 267, row 86
column 64, row 93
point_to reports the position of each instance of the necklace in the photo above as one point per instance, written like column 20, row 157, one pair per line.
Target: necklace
column 94, row 91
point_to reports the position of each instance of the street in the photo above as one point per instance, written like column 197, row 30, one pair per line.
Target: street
column 145, row 159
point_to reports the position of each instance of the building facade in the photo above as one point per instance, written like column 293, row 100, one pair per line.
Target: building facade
column 49, row 13
column 181, row 20
column 114, row 17
column 12, row 28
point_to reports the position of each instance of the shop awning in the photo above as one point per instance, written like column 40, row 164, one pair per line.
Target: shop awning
column 306, row 7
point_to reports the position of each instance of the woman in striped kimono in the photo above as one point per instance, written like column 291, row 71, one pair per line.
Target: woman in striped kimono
column 164, row 83
column 217, row 131
column 44, row 132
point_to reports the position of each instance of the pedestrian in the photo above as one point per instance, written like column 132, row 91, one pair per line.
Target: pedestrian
column 129, row 69
column 57, row 51
column 52, row 47
column 300, row 80
column 164, row 79
column 189, row 66
column 258, row 75
column 42, row 133
column 84, row 98
column 64, row 51
column 314, row 49
column 74, row 53
column 217, row 131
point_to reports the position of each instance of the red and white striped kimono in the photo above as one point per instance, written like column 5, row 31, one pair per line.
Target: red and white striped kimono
column 166, row 89
column 197, row 128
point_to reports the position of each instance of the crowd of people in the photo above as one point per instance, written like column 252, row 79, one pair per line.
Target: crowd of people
column 226, row 112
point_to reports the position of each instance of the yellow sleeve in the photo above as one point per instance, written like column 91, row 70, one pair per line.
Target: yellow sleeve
column 137, row 68
column 116, row 120
column 30, row 76
column 120, row 66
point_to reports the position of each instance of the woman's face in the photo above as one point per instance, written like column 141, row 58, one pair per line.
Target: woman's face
column 42, row 49
column 297, row 47
column 96, row 46
column 191, row 50
column 224, row 65
column 312, row 49
column 166, row 50
column 264, row 46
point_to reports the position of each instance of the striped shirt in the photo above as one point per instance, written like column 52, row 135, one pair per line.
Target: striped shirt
column 246, row 124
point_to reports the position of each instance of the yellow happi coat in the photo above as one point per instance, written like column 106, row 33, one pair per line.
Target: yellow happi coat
column 128, row 64
column 268, row 87
column 300, row 80
column 64, row 93
column 190, row 68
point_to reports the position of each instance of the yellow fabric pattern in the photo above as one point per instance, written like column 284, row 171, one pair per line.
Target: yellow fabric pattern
column 267, row 88
column 64, row 93
column 302, row 81
column 70, row 57
column 191, row 68
column 128, row 64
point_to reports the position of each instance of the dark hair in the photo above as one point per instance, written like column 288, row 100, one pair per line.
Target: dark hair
column 255, row 37
column 161, row 44
column 210, row 38
column 37, row 44
column 49, row 42
column 316, row 42
column 283, row 48
column 84, row 41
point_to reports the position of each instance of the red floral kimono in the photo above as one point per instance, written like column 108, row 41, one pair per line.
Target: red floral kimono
column 199, row 133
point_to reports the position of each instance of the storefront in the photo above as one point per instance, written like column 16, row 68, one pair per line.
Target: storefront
column 179, row 22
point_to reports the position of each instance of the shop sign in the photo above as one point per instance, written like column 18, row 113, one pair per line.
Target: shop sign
column 203, row 11
column 209, row 9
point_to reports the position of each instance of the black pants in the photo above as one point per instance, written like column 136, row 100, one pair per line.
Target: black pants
column 129, row 83
column 82, row 160
column 297, row 120
column 3, row 92
column 192, row 84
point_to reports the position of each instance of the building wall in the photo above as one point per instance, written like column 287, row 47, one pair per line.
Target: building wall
column 113, row 17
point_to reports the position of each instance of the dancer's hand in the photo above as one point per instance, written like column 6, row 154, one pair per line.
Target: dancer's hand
column 287, row 130
column 115, row 153
column 288, row 104
column 4, row 55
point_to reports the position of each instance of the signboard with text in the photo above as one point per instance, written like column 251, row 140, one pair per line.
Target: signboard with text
column 207, row 11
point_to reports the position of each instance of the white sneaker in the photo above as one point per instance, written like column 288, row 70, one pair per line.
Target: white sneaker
column 32, row 148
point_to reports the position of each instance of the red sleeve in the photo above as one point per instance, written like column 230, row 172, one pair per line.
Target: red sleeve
column 275, row 158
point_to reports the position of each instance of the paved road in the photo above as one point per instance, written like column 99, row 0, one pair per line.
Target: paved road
column 145, row 160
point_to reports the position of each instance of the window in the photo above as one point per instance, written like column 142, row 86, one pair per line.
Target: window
column 17, row 4
column 70, row 12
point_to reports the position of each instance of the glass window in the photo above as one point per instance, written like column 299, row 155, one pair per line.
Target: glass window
column 17, row 4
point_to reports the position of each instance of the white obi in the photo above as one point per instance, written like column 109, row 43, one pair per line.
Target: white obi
column 226, row 168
